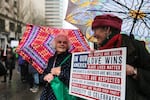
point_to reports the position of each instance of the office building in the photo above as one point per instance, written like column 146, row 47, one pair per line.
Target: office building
column 54, row 13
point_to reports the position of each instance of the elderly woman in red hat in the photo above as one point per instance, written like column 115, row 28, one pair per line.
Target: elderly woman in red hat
column 107, row 30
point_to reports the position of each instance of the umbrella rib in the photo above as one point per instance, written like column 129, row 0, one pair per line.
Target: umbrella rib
column 147, row 12
column 121, row 4
column 140, row 6
column 138, row 11
column 109, row 11
column 145, row 24
column 132, row 27
column 136, row 18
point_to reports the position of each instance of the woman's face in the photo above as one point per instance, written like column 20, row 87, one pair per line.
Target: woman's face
column 61, row 44
column 101, row 34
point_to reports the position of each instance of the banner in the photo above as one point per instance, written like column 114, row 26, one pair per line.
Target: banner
column 99, row 75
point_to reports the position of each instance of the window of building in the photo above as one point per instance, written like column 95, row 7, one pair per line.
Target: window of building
column 2, row 25
column 19, row 28
column 12, row 26
column 15, row 3
column 7, row 0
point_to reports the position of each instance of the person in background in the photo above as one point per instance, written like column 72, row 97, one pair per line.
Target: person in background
column 107, row 29
column 61, row 45
column 23, row 68
column 3, row 58
column 3, row 70
column 9, row 63
column 33, row 78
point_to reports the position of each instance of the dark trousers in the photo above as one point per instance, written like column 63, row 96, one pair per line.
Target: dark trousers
column 30, row 80
column 24, row 72
column 10, row 75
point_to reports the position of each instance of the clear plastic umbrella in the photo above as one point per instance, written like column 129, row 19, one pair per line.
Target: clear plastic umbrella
column 134, row 13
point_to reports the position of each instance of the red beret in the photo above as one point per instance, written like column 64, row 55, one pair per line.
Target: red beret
column 107, row 20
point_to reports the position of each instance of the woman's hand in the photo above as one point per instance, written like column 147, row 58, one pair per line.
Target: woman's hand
column 56, row 71
column 49, row 77
column 130, row 70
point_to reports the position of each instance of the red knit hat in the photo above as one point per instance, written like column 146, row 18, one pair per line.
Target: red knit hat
column 107, row 20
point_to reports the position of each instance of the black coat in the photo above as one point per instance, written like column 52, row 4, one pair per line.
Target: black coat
column 139, row 57
column 64, row 76
column 10, row 60
column 3, row 70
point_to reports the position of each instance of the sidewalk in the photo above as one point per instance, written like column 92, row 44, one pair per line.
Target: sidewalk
column 16, row 90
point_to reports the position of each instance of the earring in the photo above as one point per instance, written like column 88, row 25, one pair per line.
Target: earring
column 107, row 37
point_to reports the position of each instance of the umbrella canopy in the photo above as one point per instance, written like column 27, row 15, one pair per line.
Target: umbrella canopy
column 36, row 44
column 134, row 13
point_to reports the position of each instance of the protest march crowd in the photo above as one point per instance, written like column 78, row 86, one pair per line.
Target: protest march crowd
column 107, row 71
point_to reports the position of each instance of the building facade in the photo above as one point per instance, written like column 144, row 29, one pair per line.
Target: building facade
column 10, row 25
column 15, row 14
column 54, row 13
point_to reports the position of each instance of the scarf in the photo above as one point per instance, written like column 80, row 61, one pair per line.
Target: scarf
column 115, row 41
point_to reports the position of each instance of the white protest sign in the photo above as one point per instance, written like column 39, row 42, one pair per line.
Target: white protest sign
column 99, row 75
column 14, row 43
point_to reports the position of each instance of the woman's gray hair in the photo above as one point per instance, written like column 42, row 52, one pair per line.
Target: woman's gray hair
column 61, row 35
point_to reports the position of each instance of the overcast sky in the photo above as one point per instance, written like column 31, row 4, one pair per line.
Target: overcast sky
column 66, row 24
column 40, row 6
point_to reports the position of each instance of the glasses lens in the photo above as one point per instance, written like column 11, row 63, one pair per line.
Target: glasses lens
column 64, row 42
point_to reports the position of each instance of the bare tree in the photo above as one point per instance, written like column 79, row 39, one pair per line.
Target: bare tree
column 24, row 10
column 28, row 12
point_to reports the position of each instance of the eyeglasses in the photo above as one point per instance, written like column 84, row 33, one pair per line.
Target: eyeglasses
column 63, row 42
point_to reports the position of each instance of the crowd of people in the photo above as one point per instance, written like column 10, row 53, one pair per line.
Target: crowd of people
column 8, row 60
column 106, row 30
column 28, row 74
